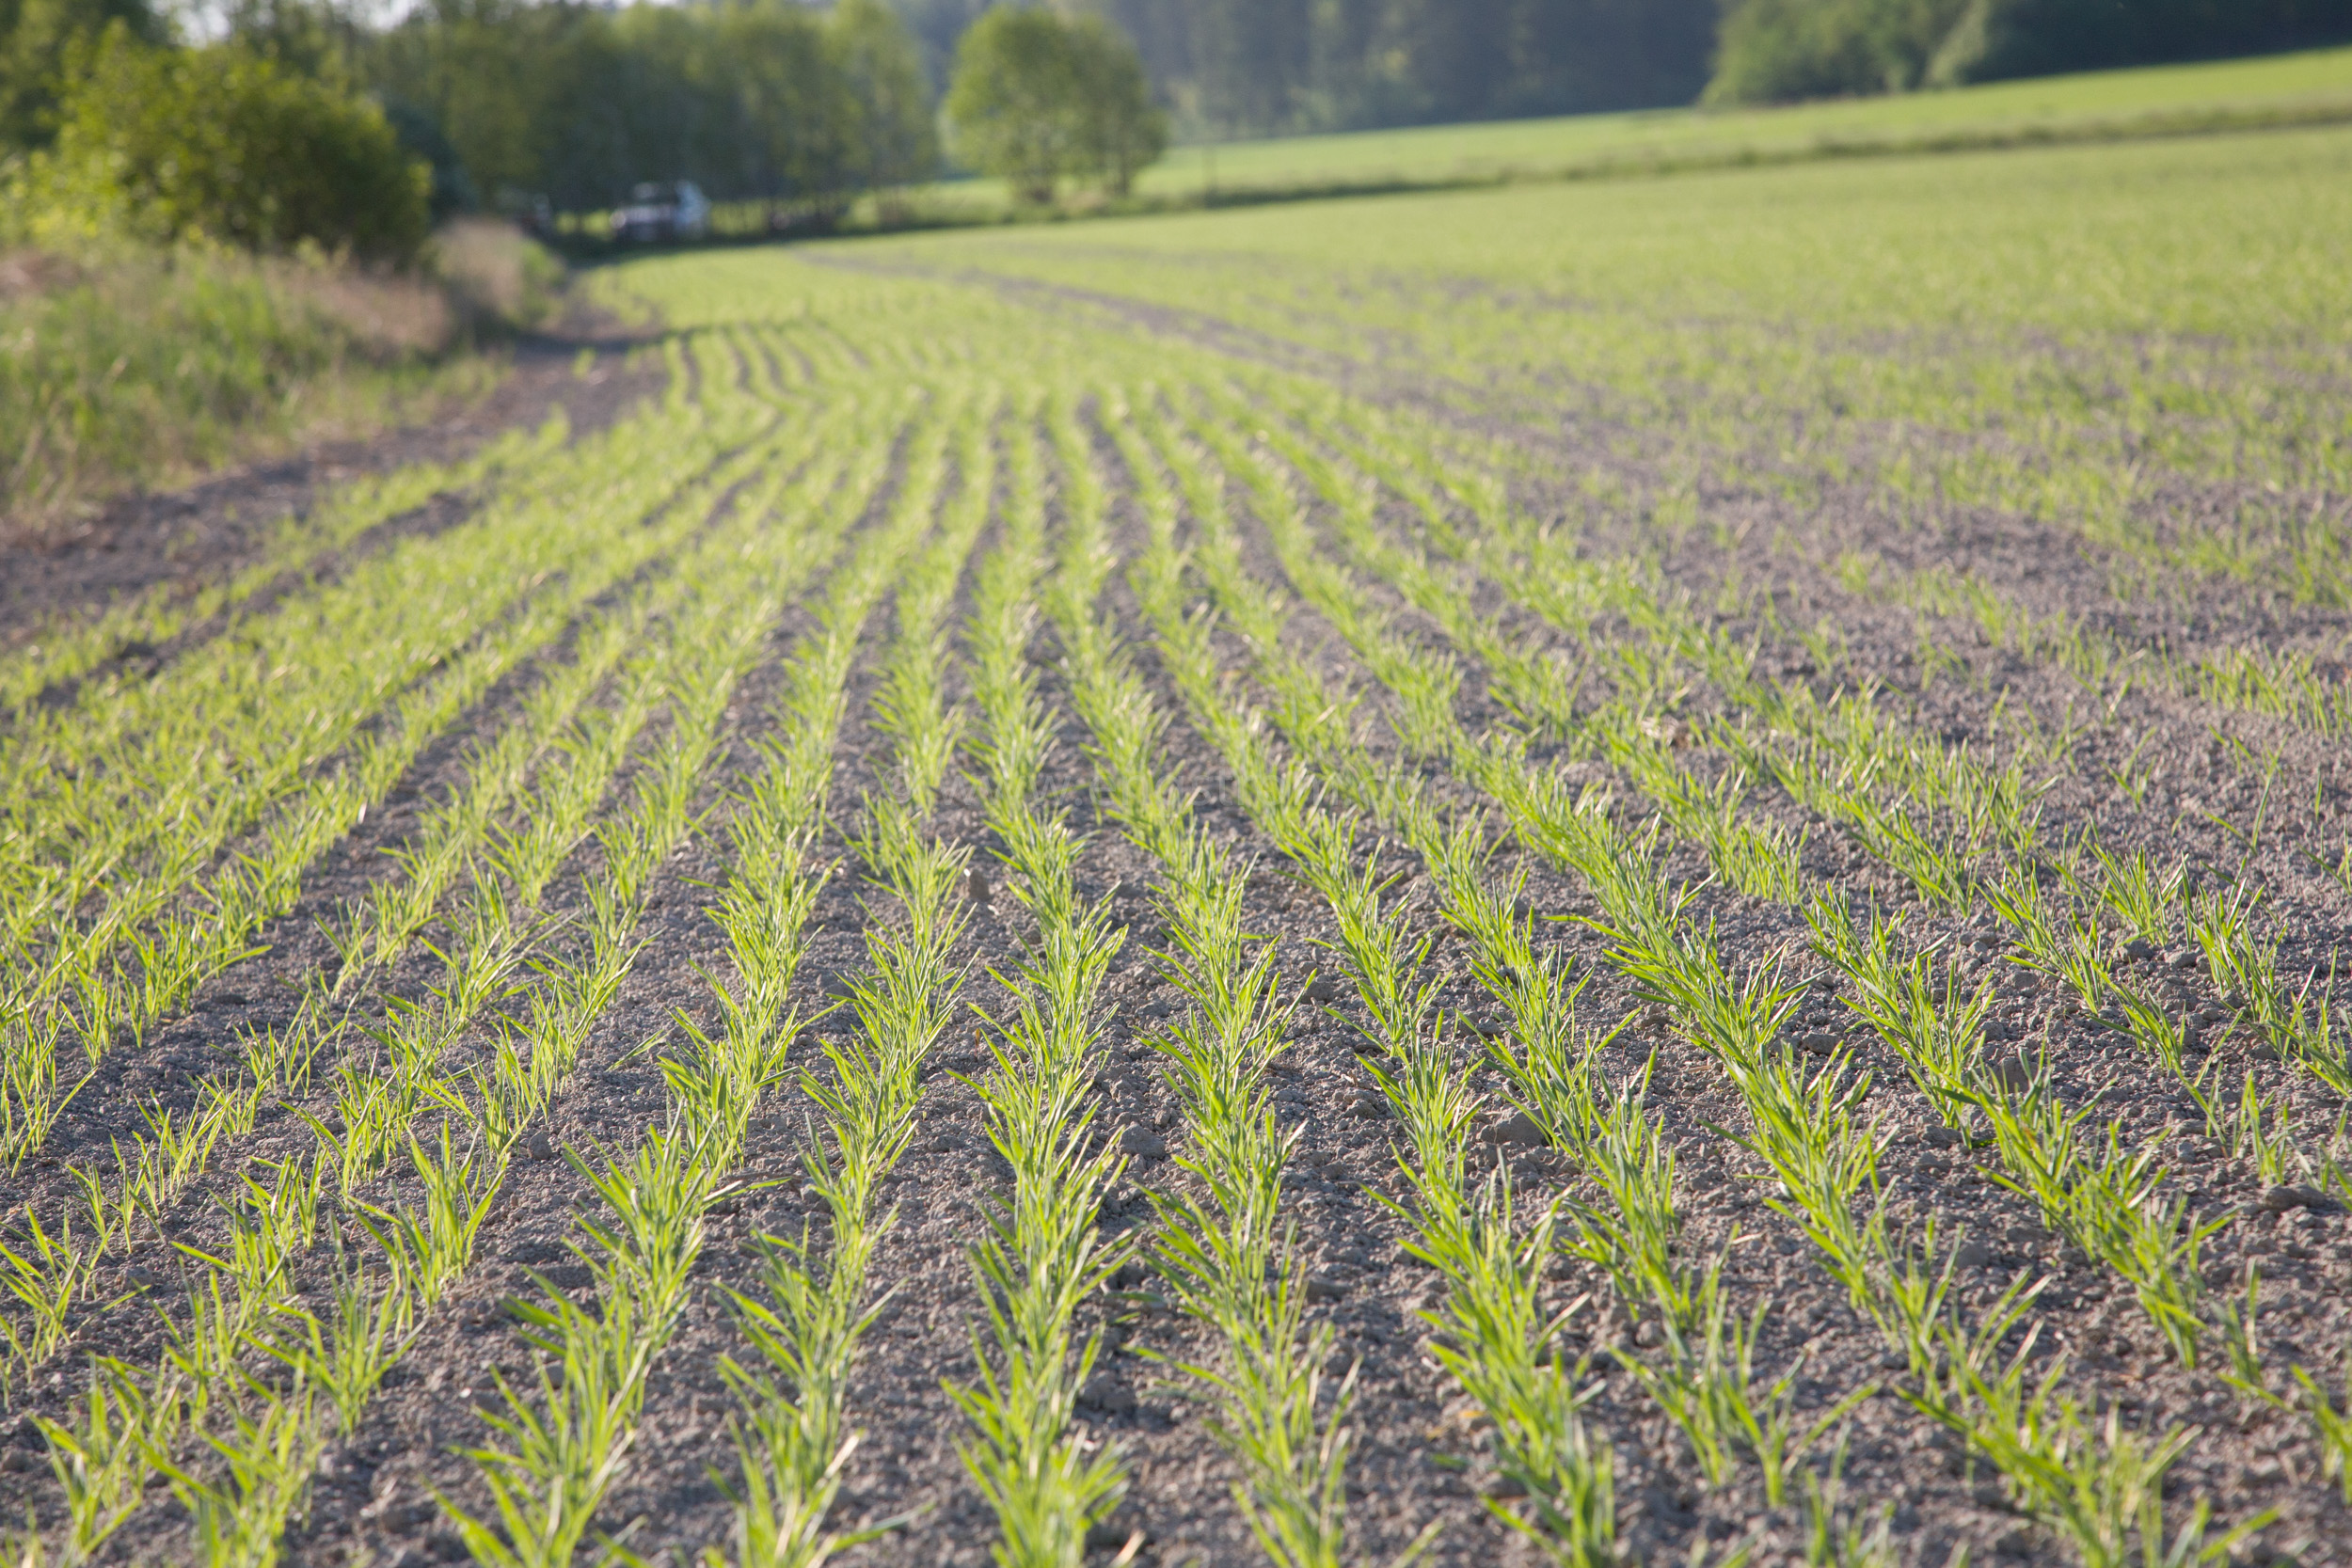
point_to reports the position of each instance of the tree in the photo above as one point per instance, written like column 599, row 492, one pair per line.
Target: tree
column 896, row 135
column 452, row 190
column 1036, row 98
column 1121, row 130
column 506, row 85
column 37, row 38
column 223, row 145
column 1255, row 59
column 1996, row 39
column 311, row 37
column 1010, row 105
column 776, row 120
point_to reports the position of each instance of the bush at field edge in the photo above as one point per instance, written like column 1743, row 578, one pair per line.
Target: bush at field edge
column 134, row 364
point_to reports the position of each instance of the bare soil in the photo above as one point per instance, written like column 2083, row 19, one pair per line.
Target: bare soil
column 1418, row 1456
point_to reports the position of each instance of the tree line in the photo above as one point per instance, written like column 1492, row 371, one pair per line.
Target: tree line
column 301, row 120
column 756, row 100
column 1251, row 67
column 1229, row 68
column 1778, row 49
column 534, row 107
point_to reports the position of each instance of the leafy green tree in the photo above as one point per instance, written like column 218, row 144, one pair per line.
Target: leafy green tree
column 313, row 38
column 896, row 135
column 37, row 38
column 503, row 82
column 1010, row 107
column 221, row 144
column 1120, row 131
column 1776, row 50
column 1036, row 98
column 788, row 127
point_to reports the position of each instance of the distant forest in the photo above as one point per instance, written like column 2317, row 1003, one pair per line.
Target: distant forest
column 1258, row 67
column 1253, row 67
column 1774, row 51
column 516, row 103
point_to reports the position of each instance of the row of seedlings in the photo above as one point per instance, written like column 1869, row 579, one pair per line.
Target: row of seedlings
column 1850, row 759
column 2159, row 1274
column 1228, row 1249
column 53, row 1273
column 159, row 1168
column 1806, row 1130
column 48, row 1272
column 163, row 925
column 255, row 692
column 66, row 653
column 198, row 713
column 792, row 1411
column 813, row 1309
column 131, row 1424
column 790, row 1431
column 562, row 1441
column 1039, row 1256
column 2282, row 684
column 2105, row 1205
column 811, row 1312
column 1878, row 767
column 1570, row 593
column 1494, row 1336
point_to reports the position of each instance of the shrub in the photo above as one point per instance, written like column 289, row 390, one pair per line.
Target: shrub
column 134, row 366
column 501, row 278
column 222, row 145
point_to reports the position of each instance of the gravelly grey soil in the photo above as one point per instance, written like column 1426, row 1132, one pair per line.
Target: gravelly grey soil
column 1418, row 1457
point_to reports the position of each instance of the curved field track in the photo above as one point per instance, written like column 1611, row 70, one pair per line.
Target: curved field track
column 1646, row 873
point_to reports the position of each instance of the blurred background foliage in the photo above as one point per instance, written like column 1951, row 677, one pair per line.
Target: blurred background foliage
column 1036, row 97
column 225, row 145
column 536, row 106
column 1774, row 51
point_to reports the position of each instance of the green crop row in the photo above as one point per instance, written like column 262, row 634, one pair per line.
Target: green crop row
column 1806, row 1130
column 149, row 942
column 134, row 1415
column 814, row 1308
column 68, row 651
column 1040, row 1256
column 1228, row 1251
column 2024, row 333
column 2106, row 1207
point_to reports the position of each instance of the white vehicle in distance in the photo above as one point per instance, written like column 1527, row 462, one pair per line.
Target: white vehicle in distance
column 660, row 213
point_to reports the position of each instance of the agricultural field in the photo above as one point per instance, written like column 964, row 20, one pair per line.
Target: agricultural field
column 1636, row 872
